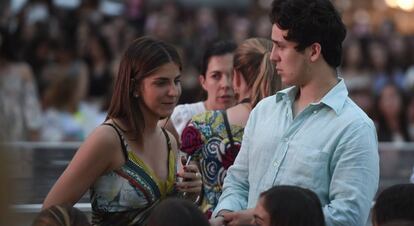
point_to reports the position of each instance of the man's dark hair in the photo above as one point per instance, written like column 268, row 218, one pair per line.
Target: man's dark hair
column 310, row 21
column 395, row 203
column 216, row 48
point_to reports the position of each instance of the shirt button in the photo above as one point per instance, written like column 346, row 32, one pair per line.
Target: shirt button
column 314, row 112
column 275, row 164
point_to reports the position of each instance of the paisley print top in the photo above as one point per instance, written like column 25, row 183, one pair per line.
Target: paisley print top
column 126, row 196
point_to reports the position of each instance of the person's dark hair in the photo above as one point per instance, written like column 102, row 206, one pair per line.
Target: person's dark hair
column 252, row 60
column 311, row 21
column 398, row 223
column 293, row 206
column 61, row 215
column 143, row 57
column 383, row 127
column 216, row 48
column 7, row 45
column 177, row 212
column 395, row 203
column 62, row 91
column 102, row 42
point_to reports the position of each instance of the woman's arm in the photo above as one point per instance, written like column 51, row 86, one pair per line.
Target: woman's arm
column 99, row 153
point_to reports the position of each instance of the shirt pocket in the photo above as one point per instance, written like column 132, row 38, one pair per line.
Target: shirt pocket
column 308, row 167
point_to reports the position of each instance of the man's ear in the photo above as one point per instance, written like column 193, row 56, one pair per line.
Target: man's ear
column 315, row 52
column 202, row 80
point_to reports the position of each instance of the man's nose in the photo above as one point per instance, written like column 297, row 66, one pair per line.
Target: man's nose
column 274, row 55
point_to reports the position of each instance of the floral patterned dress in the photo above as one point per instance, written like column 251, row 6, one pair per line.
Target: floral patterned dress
column 207, row 140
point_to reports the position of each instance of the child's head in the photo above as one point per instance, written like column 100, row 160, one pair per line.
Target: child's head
column 177, row 212
column 394, row 205
column 288, row 206
column 61, row 215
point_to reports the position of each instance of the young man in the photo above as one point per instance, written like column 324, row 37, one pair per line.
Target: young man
column 310, row 135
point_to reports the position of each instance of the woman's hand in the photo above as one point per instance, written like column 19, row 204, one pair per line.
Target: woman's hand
column 191, row 179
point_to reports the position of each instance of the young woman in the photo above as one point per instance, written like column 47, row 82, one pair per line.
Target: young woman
column 129, row 163
column 213, row 138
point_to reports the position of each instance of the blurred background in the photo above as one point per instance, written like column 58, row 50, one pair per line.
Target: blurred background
column 59, row 58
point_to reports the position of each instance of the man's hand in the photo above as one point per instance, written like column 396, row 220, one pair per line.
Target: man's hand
column 244, row 217
column 217, row 221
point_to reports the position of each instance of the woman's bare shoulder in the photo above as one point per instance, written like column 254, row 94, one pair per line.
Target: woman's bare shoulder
column 103, row 140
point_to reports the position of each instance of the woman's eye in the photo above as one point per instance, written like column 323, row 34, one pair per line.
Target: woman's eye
column 161, row 83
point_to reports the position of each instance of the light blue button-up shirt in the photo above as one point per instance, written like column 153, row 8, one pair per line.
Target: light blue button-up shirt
column 331, row 147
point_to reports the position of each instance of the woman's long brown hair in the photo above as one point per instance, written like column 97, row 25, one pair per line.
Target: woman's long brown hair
column 143, row 56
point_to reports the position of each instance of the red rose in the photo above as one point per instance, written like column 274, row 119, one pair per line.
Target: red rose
column 208, row 214
column 230, row 155
column 190, row 140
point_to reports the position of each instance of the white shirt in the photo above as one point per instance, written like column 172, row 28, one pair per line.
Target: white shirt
column 183, row 113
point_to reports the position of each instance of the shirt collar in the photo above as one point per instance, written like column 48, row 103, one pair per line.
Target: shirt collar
column 335, row 98
column 287, row 94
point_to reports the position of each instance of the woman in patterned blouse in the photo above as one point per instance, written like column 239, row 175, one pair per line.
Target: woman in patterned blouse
column 213, row 138
column 129, row 162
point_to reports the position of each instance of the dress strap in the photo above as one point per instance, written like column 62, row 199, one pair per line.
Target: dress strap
column 168, row 139
column 245, row 100
column 168, row 147
column 228, row 129
column 121, row 139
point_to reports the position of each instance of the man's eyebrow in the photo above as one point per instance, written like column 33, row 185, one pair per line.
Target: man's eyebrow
column 277, row 42
column 215, row 71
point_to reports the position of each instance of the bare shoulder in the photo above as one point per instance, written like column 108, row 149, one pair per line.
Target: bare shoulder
column 238, row 115
column 103, row 141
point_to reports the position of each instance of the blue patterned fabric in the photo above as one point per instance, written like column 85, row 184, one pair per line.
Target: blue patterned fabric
column 207, row 141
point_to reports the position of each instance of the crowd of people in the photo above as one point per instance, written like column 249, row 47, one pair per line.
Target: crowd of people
column 285, row 132
column 47, row 47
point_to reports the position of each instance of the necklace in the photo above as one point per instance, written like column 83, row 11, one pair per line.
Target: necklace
column 245, row 100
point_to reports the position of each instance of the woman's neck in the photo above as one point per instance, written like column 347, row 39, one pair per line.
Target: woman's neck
column 244, row 97
column 209, row 106
column 149, row 128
